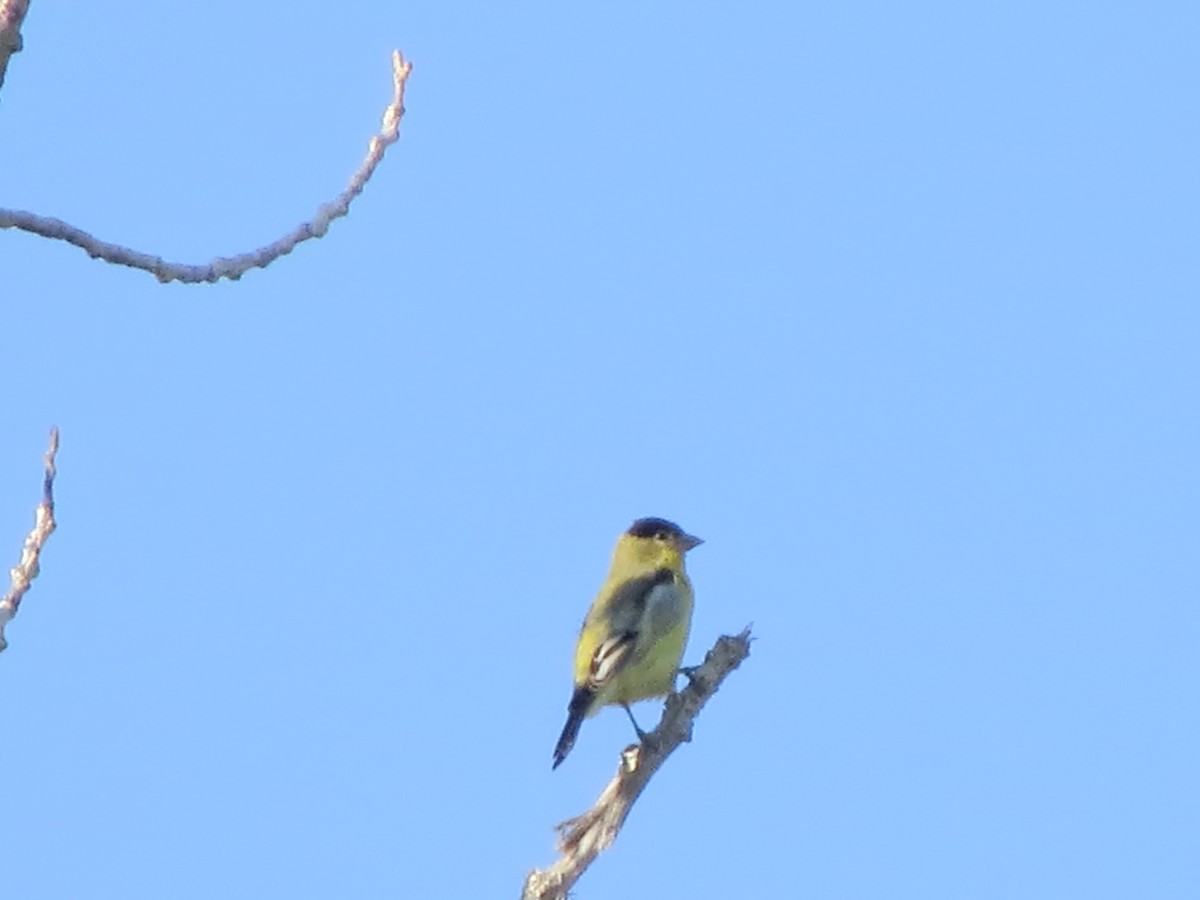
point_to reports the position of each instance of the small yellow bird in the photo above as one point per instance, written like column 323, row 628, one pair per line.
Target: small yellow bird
column 633, row 637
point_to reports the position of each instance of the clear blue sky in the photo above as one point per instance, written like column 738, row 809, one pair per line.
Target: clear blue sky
column 895, row 304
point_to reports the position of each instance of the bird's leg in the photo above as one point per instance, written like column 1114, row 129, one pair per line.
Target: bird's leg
column 642, row 736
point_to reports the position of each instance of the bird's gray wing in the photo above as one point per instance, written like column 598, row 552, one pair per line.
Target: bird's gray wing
column 640, row 605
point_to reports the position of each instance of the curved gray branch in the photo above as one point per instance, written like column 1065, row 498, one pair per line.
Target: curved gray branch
column 26, row 570
column 234, row 267
column 585, row 837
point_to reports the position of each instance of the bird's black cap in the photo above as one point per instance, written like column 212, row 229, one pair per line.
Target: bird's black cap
column 648, row 528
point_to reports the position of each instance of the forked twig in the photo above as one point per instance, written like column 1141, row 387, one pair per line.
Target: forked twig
column 12, row 14
column 26, row 570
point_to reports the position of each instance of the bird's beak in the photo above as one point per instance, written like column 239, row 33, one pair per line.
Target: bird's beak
column 689, row 542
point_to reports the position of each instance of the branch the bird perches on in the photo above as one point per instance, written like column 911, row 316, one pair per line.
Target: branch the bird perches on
column 586, row 836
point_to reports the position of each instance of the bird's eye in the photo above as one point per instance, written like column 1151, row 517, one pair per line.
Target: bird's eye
column 660, row 535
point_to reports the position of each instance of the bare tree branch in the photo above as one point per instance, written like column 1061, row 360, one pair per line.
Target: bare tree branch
column 12, row 14
column 585, row 837
column 235, row 267
column 43, row 526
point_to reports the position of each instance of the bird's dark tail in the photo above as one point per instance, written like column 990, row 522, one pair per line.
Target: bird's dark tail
column 577, row 711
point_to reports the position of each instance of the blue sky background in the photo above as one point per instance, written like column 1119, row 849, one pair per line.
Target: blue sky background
column 896, row 305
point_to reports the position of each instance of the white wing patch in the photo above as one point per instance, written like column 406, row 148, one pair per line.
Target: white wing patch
column 608, row 658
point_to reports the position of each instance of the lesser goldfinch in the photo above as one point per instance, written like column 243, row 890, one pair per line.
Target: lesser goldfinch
column 633, row 637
